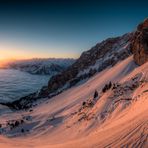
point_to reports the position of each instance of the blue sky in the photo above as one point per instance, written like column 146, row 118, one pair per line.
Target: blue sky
column 63, row 28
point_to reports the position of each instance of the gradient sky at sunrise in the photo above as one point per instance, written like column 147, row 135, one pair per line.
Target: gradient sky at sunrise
column 57, row 28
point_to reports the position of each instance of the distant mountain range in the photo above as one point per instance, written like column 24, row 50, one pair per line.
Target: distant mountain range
column 51, row 66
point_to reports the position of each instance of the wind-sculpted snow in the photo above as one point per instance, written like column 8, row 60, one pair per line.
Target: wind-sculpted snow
column 115, row 117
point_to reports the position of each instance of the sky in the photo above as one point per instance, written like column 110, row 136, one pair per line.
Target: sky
column 62, row 28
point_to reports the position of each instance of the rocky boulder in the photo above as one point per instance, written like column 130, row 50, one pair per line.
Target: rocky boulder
column 139, row 44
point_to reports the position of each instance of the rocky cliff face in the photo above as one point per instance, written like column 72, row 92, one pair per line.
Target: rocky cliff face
column 139, row 44
column 102, row 55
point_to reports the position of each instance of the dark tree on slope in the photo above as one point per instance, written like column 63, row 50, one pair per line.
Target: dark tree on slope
column 107, row 87
column 95, row 94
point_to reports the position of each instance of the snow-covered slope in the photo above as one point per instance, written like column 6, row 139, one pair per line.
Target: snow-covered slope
column 116, row 117
column 41, row 66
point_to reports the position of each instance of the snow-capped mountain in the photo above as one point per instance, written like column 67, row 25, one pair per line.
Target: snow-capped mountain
column 109, row 110
column 41, row 66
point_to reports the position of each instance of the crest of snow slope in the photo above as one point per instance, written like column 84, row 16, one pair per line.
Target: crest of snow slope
column 110, row 122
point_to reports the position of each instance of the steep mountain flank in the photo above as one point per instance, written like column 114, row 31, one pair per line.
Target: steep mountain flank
column 139, row 44
column 99, row 57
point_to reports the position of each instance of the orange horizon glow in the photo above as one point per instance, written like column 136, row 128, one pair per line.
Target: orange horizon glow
column 7, row 56
column 12, row 50
column 15, row 54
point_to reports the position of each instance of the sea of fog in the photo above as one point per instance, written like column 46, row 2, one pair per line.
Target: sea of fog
column 15, row 84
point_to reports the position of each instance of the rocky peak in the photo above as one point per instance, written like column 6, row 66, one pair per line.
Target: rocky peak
column 139, row 44
column 143, row 25
column 104, row 54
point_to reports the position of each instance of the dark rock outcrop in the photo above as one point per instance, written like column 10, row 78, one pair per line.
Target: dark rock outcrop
column 139, row 45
